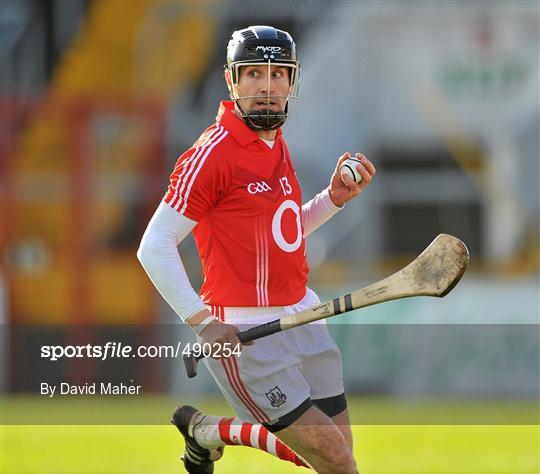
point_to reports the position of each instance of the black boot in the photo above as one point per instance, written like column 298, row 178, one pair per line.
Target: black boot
column 196, row 458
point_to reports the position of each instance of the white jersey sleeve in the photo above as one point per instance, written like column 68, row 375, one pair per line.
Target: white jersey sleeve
column 317, row 211
column 158, row 254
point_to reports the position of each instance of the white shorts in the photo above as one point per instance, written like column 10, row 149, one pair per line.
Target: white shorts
column 279, row 372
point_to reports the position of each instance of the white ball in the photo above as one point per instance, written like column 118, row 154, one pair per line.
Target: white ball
column 349, row 168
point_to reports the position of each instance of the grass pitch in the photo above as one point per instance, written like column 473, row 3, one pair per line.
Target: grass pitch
column 392, row 449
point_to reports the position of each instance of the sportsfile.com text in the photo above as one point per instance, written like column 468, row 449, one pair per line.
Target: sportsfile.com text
column 111, row 350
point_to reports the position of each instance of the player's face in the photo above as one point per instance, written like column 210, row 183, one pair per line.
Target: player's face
column 263, row 87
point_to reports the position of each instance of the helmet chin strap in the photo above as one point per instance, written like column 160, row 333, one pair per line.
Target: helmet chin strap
column 265, row 119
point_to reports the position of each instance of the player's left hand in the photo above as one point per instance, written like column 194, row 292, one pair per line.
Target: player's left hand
column 342, row 192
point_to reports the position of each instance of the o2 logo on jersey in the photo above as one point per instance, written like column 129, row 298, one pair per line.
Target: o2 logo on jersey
column 276, row 227
column 260, row 187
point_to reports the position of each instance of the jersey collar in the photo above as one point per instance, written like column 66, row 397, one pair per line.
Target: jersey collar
column 236, row 126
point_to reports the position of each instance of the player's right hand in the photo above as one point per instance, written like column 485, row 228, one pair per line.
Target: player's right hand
column 221, row 333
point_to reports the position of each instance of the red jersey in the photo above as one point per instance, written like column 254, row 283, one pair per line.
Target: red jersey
column 247, row 203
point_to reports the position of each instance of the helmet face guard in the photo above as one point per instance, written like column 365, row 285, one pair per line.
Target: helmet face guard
column 265, row 119
column 263, row 46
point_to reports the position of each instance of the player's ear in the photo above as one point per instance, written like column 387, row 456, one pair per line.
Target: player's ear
column 228, row 79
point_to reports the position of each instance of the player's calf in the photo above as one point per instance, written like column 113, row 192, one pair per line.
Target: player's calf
column 232, row 431
column 320, row 442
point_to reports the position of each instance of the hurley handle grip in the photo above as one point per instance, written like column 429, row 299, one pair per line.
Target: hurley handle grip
column 191, row 361
column 259, row 331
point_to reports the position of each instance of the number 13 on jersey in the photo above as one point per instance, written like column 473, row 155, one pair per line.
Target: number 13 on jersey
column 285, row 186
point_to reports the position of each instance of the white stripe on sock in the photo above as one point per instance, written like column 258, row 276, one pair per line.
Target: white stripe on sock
column 271, row 444
column 234, row 432
column 254, row 436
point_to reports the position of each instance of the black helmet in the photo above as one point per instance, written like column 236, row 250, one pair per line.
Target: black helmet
column 269, row 46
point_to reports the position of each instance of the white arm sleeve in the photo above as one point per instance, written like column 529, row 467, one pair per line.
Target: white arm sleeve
column 158, row 254
column 317, row 211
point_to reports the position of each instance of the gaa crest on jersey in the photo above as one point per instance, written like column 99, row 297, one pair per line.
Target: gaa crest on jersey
column 258, row 187
column 276, row 397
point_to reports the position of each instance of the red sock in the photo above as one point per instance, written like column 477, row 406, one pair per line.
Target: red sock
column 256, row 436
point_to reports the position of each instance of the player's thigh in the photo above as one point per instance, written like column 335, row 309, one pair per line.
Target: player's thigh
column 336, row 408
column 319, row 441
column 343, row 422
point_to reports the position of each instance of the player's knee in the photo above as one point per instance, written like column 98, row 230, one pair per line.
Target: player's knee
column 344, row 461
column 336, row 458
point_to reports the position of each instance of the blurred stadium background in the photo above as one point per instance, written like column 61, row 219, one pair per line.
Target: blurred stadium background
column 98, row 99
